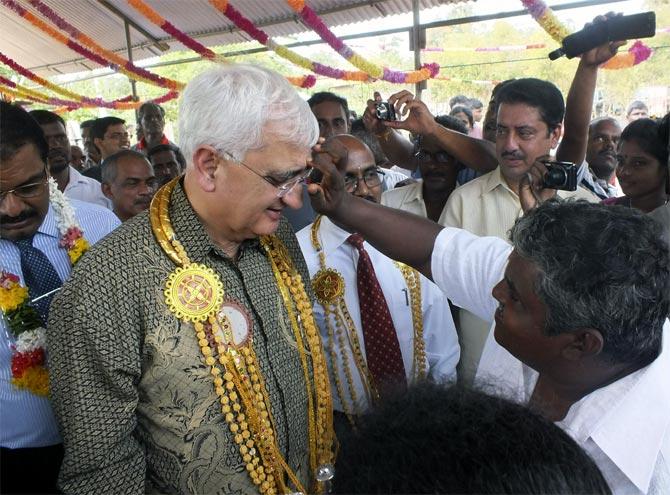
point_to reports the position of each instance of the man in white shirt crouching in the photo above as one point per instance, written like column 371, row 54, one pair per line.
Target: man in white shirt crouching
column 580, row 302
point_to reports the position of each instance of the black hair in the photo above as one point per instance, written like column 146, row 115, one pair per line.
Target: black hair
column 459, row 100
column 601, row 267
column 324, row 96
column 87, row 124
column 451, row 123
column 100, row 126
column 169, row 147
column 439, row 439
column 474, row 103
column 543, row 95
column 18, row 128
column 465, row 110
column 636, row 105
column 43, row 117
column 149, row 104
column 650, row 136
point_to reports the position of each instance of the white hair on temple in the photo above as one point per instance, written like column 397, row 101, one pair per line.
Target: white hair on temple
column 230, row 108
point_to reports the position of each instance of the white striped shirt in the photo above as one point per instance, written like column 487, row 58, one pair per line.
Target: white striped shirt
column 27, row 420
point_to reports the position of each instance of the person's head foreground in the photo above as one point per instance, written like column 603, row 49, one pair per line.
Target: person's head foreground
column 438, row 439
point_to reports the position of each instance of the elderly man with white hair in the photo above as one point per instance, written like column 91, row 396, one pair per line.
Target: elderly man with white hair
column 184, row 356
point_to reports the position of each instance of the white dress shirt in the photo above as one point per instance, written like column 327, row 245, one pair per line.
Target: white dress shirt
column 406, row 198
column 85, row 189
column 625, row 426
column 441, row 343
column 26, row 420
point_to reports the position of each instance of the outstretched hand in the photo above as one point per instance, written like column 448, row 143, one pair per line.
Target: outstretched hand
column 328, row 195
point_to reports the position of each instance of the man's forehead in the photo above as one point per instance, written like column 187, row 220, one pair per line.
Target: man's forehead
column 518, row 113
column 328, row 109
column 164, row 156
column 116, row 128
column 21, row 166
column 53, row 128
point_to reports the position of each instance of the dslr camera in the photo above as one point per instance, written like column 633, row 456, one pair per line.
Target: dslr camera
column 385, row 111
column 560, row 175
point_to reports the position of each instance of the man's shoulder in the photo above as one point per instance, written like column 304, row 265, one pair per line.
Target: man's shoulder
column 476, row 186
column 128, row 239
column 397, row 195
column 92, row 215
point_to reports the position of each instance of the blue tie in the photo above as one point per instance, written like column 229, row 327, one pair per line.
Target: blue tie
column 39, row 275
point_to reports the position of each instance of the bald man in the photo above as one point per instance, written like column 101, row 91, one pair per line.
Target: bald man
column 399, row 328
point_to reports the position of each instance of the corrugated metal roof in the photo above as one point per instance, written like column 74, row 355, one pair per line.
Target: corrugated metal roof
column 33, row 49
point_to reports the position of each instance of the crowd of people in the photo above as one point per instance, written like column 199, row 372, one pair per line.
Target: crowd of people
column 296, row 300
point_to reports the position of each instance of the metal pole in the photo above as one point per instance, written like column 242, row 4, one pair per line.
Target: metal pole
column 133, row 84
column 416, row 43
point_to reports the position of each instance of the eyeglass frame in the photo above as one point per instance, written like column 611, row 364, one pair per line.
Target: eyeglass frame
column 282, row 188
column 42, row 183
column 378, row 171
column 418, row 151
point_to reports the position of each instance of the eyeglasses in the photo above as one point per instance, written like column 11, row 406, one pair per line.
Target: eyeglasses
column 27, row 191
column 118, row 136
column 424, row 156
column 372, row 178
column 283, row 187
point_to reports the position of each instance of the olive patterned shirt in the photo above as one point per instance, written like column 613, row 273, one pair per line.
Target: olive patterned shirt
column 134, row 400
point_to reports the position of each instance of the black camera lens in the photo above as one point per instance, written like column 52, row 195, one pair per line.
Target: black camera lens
column 385, row 111
column 555, row 177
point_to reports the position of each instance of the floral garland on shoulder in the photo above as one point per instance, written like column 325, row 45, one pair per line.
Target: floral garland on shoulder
column 29, row 370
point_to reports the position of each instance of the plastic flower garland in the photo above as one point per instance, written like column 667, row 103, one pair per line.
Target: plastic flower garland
column 196, row 46
column 246, row 25
column 312, row 20
column 103, row 57
column 29, row 351
column 78, row 101
column 546, row 18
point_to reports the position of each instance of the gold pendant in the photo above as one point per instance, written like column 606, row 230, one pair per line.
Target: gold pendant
column 193, row 292
column 328, row 285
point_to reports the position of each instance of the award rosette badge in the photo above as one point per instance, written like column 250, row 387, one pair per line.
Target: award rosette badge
column 193, row 292
column 328, row 286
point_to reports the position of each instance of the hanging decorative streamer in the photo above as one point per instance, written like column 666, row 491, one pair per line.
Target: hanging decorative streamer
column 196, row 46
column 94, row 51
column 68, row 105
column 313, row 21
column 264, row 39
column 482, row 49
column 546, row 18
column 469, row 81
column 92, row 102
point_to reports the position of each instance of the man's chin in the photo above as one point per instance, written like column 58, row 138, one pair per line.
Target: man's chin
column 57, row 167
column 21, row 230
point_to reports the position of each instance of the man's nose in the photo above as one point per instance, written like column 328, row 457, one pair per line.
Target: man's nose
column 293, row 198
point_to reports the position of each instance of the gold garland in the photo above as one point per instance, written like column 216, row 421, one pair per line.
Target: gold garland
column 329, row 287
column 194, row 293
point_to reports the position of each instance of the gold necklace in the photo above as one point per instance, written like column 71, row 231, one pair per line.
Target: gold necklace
column 194, row 293
column 329, row 288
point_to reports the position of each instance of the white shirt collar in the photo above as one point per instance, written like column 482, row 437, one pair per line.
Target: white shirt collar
column 331, row 236
column 49, row 226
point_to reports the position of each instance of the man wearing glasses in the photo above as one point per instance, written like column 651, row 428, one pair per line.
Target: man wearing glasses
column 200, row 369
column 30, row 249
column 109, row 135
column 382, row 324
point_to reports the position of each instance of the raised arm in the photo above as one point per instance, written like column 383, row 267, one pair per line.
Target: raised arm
column 580, row 100
column 472, row 152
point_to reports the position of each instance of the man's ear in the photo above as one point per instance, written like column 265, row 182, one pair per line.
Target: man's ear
column 107, row 190
column 585, row 343
column 555, row 135
column 205, row 165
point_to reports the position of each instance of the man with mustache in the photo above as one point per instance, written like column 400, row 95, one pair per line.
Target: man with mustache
column 439, row 173
column 31, row 250
column 151, row 120
column 70, row 181
column 391, row 315
column 604, row 134
column 128, row 181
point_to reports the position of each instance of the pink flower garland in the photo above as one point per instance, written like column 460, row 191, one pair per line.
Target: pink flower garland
column 313, row 21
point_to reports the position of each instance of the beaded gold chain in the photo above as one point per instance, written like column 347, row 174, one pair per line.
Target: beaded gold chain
column 194, row 293
column 329, row 287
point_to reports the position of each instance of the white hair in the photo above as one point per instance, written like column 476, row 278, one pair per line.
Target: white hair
column 229, row 108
